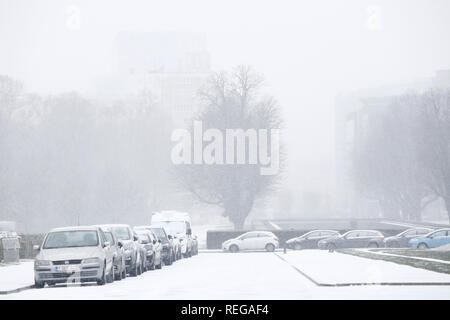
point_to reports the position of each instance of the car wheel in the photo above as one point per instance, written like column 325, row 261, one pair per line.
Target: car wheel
column 372, row 245
column 422, row 246
column 39, row 284
column 134, row 270
column 102, row 280
column 270, row 247
column 110, row 278
column 297, row 246
column 234, row 248
column 331, row 247
column 119, row 274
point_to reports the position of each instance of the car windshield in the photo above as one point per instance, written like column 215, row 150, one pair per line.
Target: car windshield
column 143, row 237
column 109, row 237
column 122, row 233
column 70, row 239
column 159, row 232
column 175, row 226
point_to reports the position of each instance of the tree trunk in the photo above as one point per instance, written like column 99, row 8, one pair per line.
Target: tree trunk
column 447, row 206
column 412, row 210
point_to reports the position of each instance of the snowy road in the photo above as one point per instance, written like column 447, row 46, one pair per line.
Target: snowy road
column 257, row 276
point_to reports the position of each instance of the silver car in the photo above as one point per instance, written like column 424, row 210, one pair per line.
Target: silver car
column 120, row 271
column 74, row 254
column 130, row 242
column 152, row 249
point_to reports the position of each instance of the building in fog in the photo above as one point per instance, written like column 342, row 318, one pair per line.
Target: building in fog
column 353, row 112
column 171, row 66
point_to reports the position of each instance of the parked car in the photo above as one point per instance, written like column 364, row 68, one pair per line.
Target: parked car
column 74, row 254
column 131, row 247
column 401, row 240
column 167, row 243
column 120, row 271
column 253, row 240
column 180, row 224
column 433, row 239
column 354, row 239
column 152, row 249
column 310, row 239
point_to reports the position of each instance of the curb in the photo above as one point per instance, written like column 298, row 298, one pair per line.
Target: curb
column 17, row 290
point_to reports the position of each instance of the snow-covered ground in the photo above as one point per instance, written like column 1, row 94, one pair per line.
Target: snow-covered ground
column 14, row 276
column 261, row 275
column 332, row 268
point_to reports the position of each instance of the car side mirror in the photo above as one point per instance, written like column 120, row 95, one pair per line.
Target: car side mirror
column 106, row 244
column 36, row 247
column 135, row 238
column 120, row 244
column 154, row 241
column 189, row 231
column 159, row 241
column 169, row 237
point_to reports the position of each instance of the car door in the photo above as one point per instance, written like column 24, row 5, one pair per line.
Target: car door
column 108, row 249
column 262, row 240
column 404, row 240
column 352, row 240
column 438, row 238
column 249, row 241
column 311, row 240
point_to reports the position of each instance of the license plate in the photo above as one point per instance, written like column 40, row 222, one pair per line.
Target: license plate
column 68, row 269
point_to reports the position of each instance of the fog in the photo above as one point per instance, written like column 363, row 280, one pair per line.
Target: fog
column 309, row 52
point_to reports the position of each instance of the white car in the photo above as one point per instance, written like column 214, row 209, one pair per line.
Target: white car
column 253, row 240
column 70, row 254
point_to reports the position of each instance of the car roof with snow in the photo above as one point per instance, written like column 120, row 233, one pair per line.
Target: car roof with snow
column 364, row 230
column 113, row 225
column 75, row 228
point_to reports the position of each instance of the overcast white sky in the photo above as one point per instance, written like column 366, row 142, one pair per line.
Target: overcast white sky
column 307, row 50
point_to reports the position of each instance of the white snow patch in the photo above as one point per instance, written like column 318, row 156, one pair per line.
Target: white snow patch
column 14, row 276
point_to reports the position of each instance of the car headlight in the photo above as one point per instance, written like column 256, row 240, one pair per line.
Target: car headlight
column 91, row 260
column 42, row 263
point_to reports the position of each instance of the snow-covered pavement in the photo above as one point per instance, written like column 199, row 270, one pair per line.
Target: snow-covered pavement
column 258, row 276
column 15, row 276
column 333, row 268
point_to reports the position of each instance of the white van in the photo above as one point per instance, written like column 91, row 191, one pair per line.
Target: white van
column 180, row 224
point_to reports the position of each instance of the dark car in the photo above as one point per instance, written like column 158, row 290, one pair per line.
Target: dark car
column 167, row 250
column 310, row 239
column 401, row 240
column 354, row 239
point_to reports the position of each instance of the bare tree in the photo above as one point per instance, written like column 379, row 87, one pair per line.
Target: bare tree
column 386, row 163
column 232, row 102
column 434, row 136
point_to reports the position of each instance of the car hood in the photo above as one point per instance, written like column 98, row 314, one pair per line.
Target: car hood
column 293, row 240
column 228, row 241
column 68, row 253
